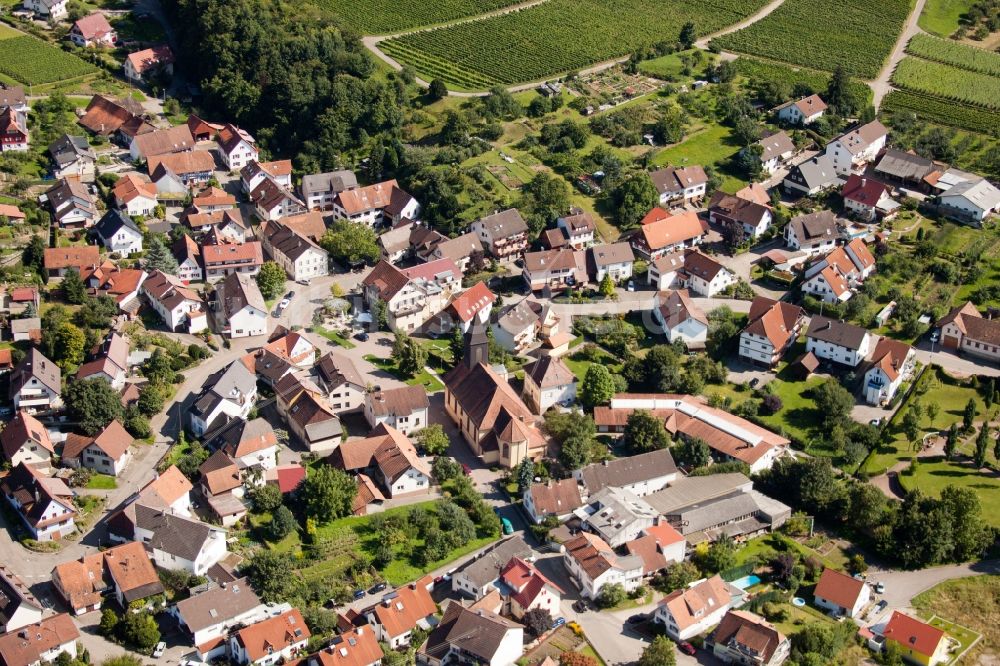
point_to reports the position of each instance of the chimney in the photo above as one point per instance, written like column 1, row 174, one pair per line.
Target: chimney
column 864, row 181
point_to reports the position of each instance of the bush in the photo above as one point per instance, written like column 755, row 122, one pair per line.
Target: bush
column 611, row 595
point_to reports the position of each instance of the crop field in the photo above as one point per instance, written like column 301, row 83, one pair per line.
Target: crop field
column 380, row 17
column 942, row 111
column 31, row 61
column 555, row 37
column 941, row 17
column 947, row 82
column 762, row 71
column 952, row 53
column 855, row 34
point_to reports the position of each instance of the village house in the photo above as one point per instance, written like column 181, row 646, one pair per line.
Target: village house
column 842, row 594
column 81, row 257
column 833, row 278
column 312, row 419
column 300, row 257
column 44, row 504
column 548, row 382
column 172, row 540
column 867, row 199
column 107, row 452
column 319, row 190
column 730, row 437
column 53, row 9
column 239, row 306
column 529, row 589
column 692, row 611
column 616, row 515
column 776, row 150
column 255, row 172
column 82, row 584
column 208, row 616
column 679, row 185
column 135, row 195
column 659, row 547
column 252, row 444
column 141, row 64
column 236, row 146
column 461, row 250
column 705, row 276
column 478, row 577
column 226, row 224
column 72, row 205
column 345, row 385
column 413, row 295
column 187, row 253
column 554, row 269
column 918, row 642
column 614, row 259
column 663, row 272
column 892, row 362
column 804, row 111
column 221, row 256
column 13, row 134
column 212, row 199
column 966, row 330
column 26, row 329
column 118, row 233
column 504, row 234
column 641, row 474
column 402, row 611
column 906, row 169
column 381, row 204
column 357, row 647
column 41, row 642
column 811, row 177
column 105, row 117
column 592, row 564
column 471, row 307
column 175, row 139
column 273, row 201
column 972, row 201
column 276, row 639
column 176, row 174
column 496, row 424
column 13, row 97
column 108, row 360
column 753, row 218
column 853, row 151
column 170, row 491
column 36, row 383
column 746, row 638
column 12, row 213
column 231, row 391
column 552, row 498
column 221, row 486
column 813, row 233
column 477, row 636
column 575, row 230
column 93, row 30
column 662, row 233
column 72, row 157
column 680, row 318
column 20, row 607
column 520, row 325
column 25, row 440
column 837, row 341
column 772, row 327
column 180, row 308
column 403, row 408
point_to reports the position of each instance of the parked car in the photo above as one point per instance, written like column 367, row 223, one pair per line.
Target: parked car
column 687, row 648
column 304, row 283
column 881, row 606
column 636, row 619
column 559, row 621
column 508, row 527
column 359, row 594
column 580, row 606
column 754, row 382
column 290, row 295
column 283, row 304
column 631, row 285
column 378, row 587
column 160, row 648
column 466, row 469
column 880, row 587
column 362, row 336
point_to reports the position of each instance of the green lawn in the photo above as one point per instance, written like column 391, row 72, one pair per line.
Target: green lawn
column 7, row 32
column 940, row 17
column 710, row 146
column 423, row 378
column 965, row 637
column 102, row 482
column 971, row 605
column 798, row 415
column 671, row 66
column 932, row 477
column 333, row 336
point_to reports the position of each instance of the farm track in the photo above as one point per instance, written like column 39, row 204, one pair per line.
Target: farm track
column 372, row 43
column 881, row 85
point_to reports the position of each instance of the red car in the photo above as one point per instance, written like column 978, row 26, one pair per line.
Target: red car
column 687, row 648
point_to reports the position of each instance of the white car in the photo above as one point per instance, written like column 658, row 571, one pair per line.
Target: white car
column 160, row 648
column 283, row 304
column 880, row 588
column 631, row 285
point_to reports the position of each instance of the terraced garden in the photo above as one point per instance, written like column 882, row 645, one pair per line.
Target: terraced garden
column 951, row 52
column 555, row 37
column 30, row 61
column 380, row 17
column 856, row 34
column 947, row 82
column 763, row 71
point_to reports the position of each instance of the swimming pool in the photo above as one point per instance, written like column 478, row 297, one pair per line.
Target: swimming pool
column 745, row 582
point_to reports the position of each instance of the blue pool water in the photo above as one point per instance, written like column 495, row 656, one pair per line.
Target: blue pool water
column 745, row 582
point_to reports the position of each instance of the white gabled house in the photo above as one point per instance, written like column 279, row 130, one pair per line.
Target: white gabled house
column 837, row 341
column 853, row 151
column 805, row 111
column 301, row 258
column 705, row 276
column 237, row 147
column 240, row 307
column 694, row 610
column 592, row 564
column 180, row 308
column 118, row 233
column 892, row 362
column 230, row 392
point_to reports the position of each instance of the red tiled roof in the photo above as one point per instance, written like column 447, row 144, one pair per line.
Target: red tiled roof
column 839, row 588
column 912, row 634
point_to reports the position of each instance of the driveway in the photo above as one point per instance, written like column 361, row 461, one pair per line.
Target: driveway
column 742, row 264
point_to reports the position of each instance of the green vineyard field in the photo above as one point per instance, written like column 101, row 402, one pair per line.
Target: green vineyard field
column 379, row 17
column 953, row 53
column 947, row 82
column 555, row 37
column 855, row 34
column 942, row 112
column 32, row 62
column 761, row 71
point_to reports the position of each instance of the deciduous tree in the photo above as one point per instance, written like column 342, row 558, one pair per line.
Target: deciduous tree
column 660, row 652
column 93, row 404
column 644, row 432
column 328, row 493
column 433, row 439
column 271, row 279
column 73, row 288
column 597, row 387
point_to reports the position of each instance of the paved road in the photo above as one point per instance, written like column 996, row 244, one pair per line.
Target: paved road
column 881, row 85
